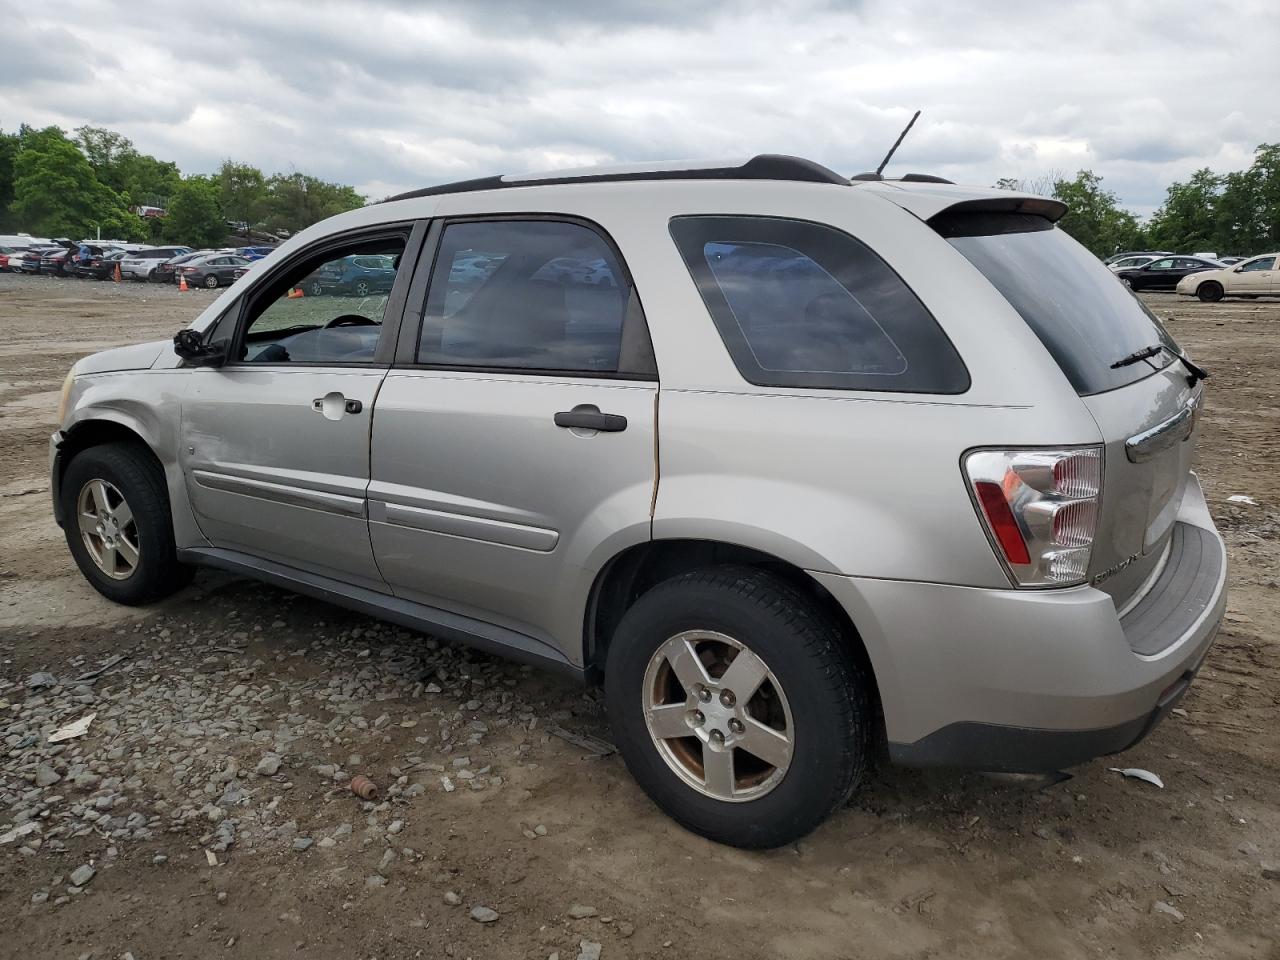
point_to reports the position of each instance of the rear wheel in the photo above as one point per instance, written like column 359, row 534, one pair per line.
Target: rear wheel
column 211, row 281
column 118, row 526
column 1210, row 291
column 361, row 288
column 315, row 289
column 737, row 706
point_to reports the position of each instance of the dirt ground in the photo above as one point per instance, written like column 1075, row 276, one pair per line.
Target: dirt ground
column 208, row 800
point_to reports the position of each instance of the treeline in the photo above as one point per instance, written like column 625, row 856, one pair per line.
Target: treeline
column 1234, row 213
column 86, row 184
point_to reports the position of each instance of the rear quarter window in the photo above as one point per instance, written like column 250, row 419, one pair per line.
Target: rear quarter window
column 801, row 304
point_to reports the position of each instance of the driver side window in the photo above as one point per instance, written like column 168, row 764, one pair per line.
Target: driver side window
column 328, row 308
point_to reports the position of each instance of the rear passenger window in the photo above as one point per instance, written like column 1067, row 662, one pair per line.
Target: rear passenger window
column 529, row 294
column 800, row 304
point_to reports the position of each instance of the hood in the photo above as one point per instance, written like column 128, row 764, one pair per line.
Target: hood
column 139, row 356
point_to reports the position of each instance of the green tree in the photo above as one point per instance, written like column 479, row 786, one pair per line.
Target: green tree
column 296, row 201
column 194, row 215
column 9, row 146
column 57, row 194
column 243, row 191
column 1188, row 219
column 1094, row 217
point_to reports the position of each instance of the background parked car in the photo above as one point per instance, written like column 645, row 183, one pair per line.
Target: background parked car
column 1164, row 274
column 1231, row 261
column 255, row 253
column 1256, row 277
column 167, row 270
column 54, row 261
column 142, row 264
column 1137, row 253
column 99, row 265
column 10, row 257
column 211, row 271
column 356, row 276
column 1131, row 263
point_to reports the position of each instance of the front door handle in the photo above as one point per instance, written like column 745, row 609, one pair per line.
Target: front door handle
column 587, row 416
column 334, row 405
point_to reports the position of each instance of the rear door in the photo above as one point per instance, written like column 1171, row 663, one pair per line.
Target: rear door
column 1145, row 408
column 275, row 444
column 514, row 441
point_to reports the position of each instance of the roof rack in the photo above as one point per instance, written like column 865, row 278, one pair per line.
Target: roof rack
column 766, row 166
column 905, row 178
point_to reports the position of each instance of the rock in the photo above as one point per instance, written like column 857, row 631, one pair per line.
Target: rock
column 451, row 898
column 589, row 950
column 46, row 776
column 1270, row 871
column 482, row 914
column 580, row 912
column 1166, row 908
column 301, row 843
column 375, row 881
column 268, row 766
column 626, row 929
column 395, row 826
column 1248, row 848
column 41, row 681
column 82, row 874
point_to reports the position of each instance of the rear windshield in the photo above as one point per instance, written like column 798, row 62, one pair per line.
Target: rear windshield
column 1085, row 317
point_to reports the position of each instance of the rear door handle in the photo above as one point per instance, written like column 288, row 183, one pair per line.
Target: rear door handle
column 587, row 416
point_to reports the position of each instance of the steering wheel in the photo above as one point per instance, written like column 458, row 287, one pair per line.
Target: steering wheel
column 351, row 320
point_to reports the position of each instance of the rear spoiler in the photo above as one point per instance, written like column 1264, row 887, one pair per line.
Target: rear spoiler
column 1051, row 210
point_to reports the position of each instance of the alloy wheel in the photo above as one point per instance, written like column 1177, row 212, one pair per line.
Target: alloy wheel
column 718, row 716
column 109, row 531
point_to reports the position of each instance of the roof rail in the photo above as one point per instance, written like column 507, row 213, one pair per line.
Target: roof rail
column 905, row 178
column 765, row 166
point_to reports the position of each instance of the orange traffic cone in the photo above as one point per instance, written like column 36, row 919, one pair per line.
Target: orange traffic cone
column 295, row 293
column 115, row 275
column 182, row 283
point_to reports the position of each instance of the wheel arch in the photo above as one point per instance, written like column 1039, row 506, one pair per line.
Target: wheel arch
column 640, row 567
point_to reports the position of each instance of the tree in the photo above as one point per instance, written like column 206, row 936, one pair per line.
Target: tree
column 1188, row 219
column 9, row 146
column 57, row 194
column 244, row 192
column 297, row 201
column 1094, row 216
column 194, row 215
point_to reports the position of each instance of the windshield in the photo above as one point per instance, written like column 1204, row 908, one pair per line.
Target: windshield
column 1086, row 318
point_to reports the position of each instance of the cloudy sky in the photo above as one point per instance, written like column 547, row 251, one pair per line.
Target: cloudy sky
column 391, row 95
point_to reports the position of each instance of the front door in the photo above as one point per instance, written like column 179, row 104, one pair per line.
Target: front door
column 514, row 448
column 1255, row 277
column 276, row 442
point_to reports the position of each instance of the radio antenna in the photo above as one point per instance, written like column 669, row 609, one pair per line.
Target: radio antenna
column 897, row 143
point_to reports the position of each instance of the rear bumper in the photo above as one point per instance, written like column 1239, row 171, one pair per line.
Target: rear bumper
column 1034, row 681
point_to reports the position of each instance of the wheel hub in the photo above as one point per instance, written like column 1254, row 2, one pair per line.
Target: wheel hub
column 107, row 529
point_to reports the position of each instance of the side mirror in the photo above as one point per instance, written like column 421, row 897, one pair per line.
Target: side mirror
column 1237, row 270
column 191, row 347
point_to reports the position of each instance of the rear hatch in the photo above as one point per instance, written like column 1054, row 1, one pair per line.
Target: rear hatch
column 1122, row 363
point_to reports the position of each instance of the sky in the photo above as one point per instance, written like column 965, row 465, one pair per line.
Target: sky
column 393, row 94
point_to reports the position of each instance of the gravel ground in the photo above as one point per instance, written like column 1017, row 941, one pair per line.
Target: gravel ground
column 207, row 810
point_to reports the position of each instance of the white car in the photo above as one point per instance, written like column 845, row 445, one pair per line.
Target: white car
column 1255, row 277
column 142, row 264
column 1131, row 263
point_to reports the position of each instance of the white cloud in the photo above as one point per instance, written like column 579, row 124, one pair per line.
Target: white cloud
column 397, row 94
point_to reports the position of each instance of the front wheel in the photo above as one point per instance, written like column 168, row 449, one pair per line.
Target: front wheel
column 211, row 281
column 1210, row 292
column 118, row 526
column 737, row 706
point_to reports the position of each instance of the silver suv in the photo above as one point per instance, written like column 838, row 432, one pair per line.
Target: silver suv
column 804, row 469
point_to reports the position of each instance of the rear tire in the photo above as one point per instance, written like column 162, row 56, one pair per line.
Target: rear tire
column 1210, row 291
column 211, row 281
column 117, row 522
column 812, row 694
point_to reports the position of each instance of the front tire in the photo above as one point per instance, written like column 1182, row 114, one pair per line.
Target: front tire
column 1210, row 291
column 211, row 281
column 118, row 526
column 738, row 706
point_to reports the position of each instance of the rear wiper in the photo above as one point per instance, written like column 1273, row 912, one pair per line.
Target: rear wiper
column 1146, row 353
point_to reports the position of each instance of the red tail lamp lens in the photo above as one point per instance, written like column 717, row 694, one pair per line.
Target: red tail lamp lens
column 1002, row 523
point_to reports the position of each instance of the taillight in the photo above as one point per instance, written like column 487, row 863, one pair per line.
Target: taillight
column 1041, row 509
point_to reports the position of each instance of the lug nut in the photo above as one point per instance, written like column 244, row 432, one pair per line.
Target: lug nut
column 735, row 725
column 717, row 738
column 698, row 718
column 727, row 698
column 703, row 694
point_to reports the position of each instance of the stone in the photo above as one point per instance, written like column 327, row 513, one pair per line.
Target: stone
column 451, row 898
column 626, row 929
column 589, row 950
column 82, row 874
column 1270, row 871
column 301, row 843
column 580, row 912
column 268, row 766
column 1168, row 909
column 46, row 776
column 483, row 914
